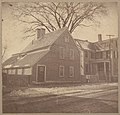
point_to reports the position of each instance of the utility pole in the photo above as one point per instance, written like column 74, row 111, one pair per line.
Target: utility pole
column 110, row 56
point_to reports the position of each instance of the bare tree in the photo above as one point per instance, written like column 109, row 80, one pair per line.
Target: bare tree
column 57, row 15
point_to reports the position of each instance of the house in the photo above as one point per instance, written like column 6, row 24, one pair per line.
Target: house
column 51, row 57
column 87, row 60
column 99, row 60
column 107, row 58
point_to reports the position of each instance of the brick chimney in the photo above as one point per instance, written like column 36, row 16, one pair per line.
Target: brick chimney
column 40, row 33
column 99, row 37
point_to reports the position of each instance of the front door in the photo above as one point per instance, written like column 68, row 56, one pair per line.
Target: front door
column 41, row 74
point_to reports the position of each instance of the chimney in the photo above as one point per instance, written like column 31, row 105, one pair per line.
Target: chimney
column 40, row 33
column 99, row 37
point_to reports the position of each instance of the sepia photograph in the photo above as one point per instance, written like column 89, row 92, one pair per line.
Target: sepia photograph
column 59, row 57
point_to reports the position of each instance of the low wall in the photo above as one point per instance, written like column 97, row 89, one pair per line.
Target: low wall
column 17, row 80
column 83, row 79
column 94, row 79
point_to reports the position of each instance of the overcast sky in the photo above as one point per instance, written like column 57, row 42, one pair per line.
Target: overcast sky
column 12, row 30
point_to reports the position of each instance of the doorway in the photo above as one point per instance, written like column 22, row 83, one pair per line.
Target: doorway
column 41, row 73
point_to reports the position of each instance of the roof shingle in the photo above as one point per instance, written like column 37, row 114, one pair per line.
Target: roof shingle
column 48, row 40
column 28, row 59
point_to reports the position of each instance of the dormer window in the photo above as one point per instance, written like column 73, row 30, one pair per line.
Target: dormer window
column 66, row 38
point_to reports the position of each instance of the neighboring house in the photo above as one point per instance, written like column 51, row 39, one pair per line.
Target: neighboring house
column 87, row 57
column 100, row 59
column 107, row 58
column 52, row 57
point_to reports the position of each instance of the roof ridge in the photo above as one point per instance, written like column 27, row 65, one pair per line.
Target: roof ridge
column 48, row 40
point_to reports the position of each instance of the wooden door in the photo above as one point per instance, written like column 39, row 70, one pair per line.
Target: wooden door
column 41, row 74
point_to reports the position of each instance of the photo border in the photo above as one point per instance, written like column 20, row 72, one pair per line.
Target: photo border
column 118, row 2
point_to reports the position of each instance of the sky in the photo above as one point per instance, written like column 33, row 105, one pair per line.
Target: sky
column 13, row 31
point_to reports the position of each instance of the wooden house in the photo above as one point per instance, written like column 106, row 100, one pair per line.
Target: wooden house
column 51, row 57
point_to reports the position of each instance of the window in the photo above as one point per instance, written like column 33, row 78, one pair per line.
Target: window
column 9, row 71
column 101, row 66
column 71, row 54
column 117, row 54
column 93, row 68
column 61, row 71
column 19, row 71
column 116, row 44
column 86, row 68
column 107, row 54
column 92, row 55
column 66, row 39
column 99, row 55
column 27, row 71
column 114, row 54
column 62, row 53
column 13, row 71
column 86, row 54
column 71, row 71
column 5, row 71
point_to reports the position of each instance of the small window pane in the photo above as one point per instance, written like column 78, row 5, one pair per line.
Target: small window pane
column 19, row 71
column 12, row 71
column 66, row 39
column 27, row 71
column 5, row 71
column 62, row 53
column 9, row 71
column 71, row 71
column 61, row 71
column 71, row 54
column 86, row 54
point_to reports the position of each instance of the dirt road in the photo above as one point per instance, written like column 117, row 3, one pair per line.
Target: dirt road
column 105, row 101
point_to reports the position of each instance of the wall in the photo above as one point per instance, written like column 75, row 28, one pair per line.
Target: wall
column 52, row 61
column 18, row 80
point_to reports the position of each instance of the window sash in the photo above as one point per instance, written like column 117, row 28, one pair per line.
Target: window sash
column 107, row 54
column 99, row 55
column 62, row 53
column 61, row 71
column 5, row 70
column 9, row 71
column 86, row 68
column 13, row 71
column 71, row 71
column 71, row 54
column 66, row 39
column 86, row 54
column 19, row 71
column 92, row 55
column 27, row 71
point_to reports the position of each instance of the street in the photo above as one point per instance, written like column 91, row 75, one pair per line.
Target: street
column 97, row 101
